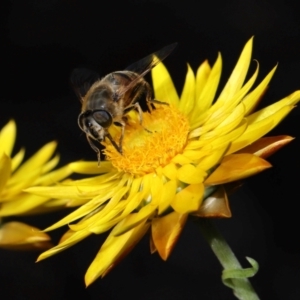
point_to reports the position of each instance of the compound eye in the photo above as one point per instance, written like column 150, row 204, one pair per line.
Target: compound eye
column 103, row 118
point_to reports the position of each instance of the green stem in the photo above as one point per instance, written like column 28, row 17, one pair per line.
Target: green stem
column 233, row 275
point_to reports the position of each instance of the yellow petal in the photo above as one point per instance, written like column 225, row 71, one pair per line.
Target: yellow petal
column 266, row 146
column 155, row 190
column 114, row 200
column 5, row 169
column 109, row 211
column 232, row 121
column 163, row 86
column 235, row 167
column 238, row 75
column 50, row 205
column 272, row 109
column 15, row 187
column 170, row 171
column 212, row 123
column 98, row 180
column 17, row 159
column 166, row 231
column 208, row 91
column 84, row 209
column 135, row 186
column 257, row 129
column 220, row 110
column 20, row 236
column 66, row 242
column 187, row 99
column 146, row 183
column 195, row 155
column 62, row 192
column 194, row 145
column 36, row 161
column 103, row 227
column 230, row 104
column 188, row 199
column 215, row 206
column 213, row 159
column 75, row 215
column 91, row 167
column 167, row 195
column 66, row 236
column 254, row 96
column 202, row 76
column 225, row 140
column 113, row 250
column 190, row 174
column 21, row 204
column 54, row 176
column 132, row 203
column 51, row 164
column 8, row 137
column 94, row 223
column 181, row 159
column 135, row 219
column 55, row 203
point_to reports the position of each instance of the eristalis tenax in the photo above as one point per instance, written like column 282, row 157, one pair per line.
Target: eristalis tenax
column 106, row 101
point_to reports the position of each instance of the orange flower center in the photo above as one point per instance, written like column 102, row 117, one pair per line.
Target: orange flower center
column 163, row 134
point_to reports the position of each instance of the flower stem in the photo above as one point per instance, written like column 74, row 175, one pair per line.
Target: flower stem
column 233, row 275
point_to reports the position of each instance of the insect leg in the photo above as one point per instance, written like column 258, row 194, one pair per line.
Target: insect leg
column 158, row 102
column 149, row 97
column 122, row 124
column 121, row 138
column 137, row 106
column 118, row 148
column 94, row 148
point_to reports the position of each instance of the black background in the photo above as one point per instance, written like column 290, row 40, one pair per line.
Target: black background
column 43, row 41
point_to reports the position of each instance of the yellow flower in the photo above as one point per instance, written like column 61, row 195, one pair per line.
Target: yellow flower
column 14, row 178
column 178, row 166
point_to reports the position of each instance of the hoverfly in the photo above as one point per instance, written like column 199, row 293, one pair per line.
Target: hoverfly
column 106, row 101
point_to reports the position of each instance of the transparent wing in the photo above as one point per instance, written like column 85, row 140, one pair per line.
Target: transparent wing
column 143, row 66
column 81, row 79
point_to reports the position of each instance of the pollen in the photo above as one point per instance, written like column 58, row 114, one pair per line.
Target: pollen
column 162, row 135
